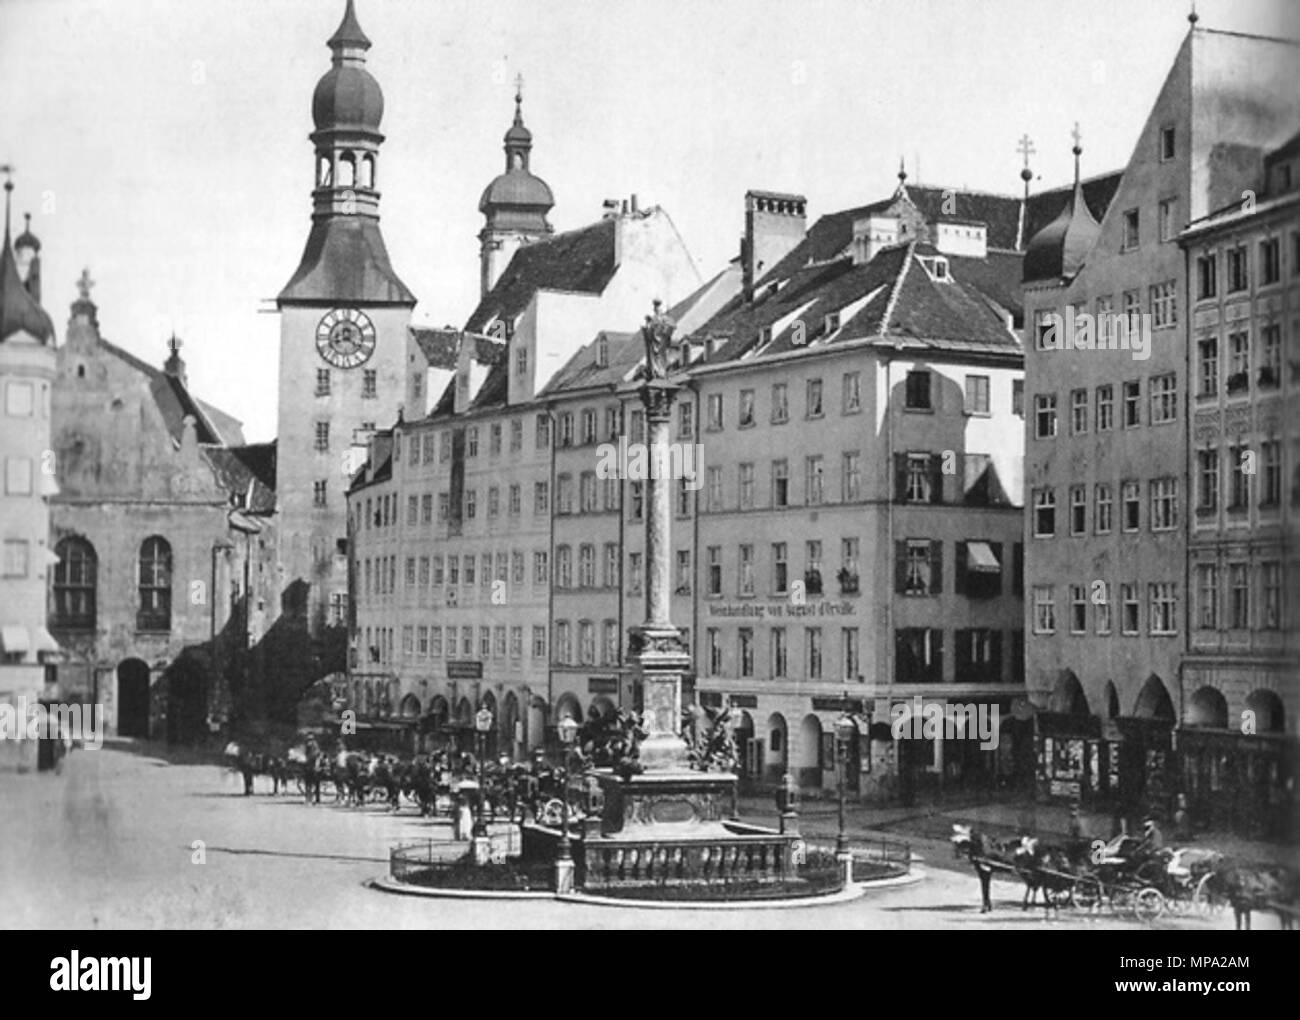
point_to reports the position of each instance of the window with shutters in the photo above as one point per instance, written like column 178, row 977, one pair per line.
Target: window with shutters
column 977, row 573
column 917, row 476
column 919, row 568
column 918, row 655
column 978, row 656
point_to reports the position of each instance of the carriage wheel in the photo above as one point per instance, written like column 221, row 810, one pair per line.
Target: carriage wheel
column 553, row 812
column 1121, row 899
column 1148, row 904
column 1204, row 901
column 1087, row 893
column 1059, row 896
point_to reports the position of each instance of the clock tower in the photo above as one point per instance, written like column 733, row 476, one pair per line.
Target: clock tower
column 344, row 341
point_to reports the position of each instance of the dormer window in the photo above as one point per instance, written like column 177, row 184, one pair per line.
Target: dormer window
column 602, row 352
column 937, row 267
column 832, row 323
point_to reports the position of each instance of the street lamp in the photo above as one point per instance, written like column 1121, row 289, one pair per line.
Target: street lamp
column 568, row 732
column 845, row 727
column 482, row 725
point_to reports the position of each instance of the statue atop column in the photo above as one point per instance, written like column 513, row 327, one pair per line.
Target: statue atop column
column 658, row 336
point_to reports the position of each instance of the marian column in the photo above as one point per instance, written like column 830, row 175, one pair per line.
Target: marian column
column 656, row 649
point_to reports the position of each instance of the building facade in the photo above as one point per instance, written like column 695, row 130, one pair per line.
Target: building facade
column 1106, row 427
column 162, row 594
column 28, row 652
column 1240, row 676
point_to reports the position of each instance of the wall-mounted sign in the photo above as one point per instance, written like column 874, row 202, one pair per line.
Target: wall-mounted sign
column 855, row 705
column 602, row 685
column 464, row 670
column 784, row 609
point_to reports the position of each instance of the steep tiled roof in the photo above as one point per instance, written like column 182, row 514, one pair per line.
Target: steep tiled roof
column 944, row 314
column 495, row 388
column 174, row 402
column 345, row 261
column 439, row 346
column 892, row 296
column 247, row 470
column 578, row 261
column 624, row 351
column 999, row 213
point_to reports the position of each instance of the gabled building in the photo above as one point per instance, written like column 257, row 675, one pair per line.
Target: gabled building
column 162, row 530
column 854, row 541
column 1109, row 397
column 1241, row 674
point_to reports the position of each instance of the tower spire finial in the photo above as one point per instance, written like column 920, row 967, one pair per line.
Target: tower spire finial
column 1077, row 150
column 519, row 95
column 8, row 170
column 902, row 173
column 1192, row 16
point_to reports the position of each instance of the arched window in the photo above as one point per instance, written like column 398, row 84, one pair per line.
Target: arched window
column 347, row 171
column 74, row 585
column 366, row 178
column 155, row 585
column 324, row 172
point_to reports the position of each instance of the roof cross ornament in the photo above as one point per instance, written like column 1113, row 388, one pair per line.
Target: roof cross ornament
column 1026, row 148
column 1078, row 137
column 84, row 283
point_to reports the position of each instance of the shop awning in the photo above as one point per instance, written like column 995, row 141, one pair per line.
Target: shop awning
column 14, row 639
column 44, row 641
column 980, row 558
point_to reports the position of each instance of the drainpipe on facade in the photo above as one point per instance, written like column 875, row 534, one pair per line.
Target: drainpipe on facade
column 890, row 495
column 622, row 560
column 549, row 411
column 697, row 434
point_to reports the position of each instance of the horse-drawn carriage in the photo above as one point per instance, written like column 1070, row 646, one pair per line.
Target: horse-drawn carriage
column 1124, row 875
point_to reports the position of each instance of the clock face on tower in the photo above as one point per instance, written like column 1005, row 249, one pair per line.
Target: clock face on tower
column 345, row 337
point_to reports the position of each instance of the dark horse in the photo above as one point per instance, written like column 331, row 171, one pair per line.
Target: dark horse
column 986, row 854
column 1252, row 887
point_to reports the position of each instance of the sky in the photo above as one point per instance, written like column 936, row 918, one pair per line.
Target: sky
column 163, row 143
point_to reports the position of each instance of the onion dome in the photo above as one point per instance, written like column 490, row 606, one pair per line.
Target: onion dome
column 517, row 188
column 1058, row 250
column 27, row 239
column 347, row 96
column 19, row 311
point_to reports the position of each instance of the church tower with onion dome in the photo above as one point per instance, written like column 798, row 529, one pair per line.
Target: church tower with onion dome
column 344, row 337
column 514, row 205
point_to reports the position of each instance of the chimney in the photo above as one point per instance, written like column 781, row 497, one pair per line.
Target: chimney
column 634, row 204
column 774, row 226
column 609, row 209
